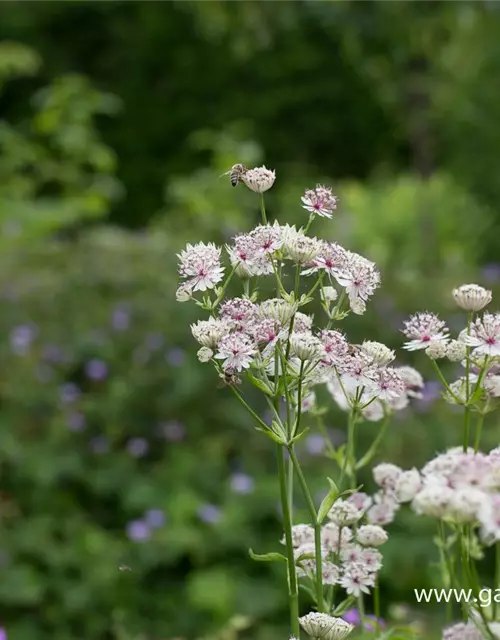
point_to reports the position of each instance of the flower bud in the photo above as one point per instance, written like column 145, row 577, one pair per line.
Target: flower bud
column 259, row 179
column 408, row 485
column 325, row 627
column 371, row 535
column 472, row 297
column 183, row 293
column 456, row 351
column 205, row 354
column 329, row 294
column 436, row 350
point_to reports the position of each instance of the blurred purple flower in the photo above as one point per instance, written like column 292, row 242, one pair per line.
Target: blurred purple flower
column 491, row 273
column 315, row 444
column 175, row 357
column 69, row 392
column 209, row 513
column 52, row 353
column 154, row 341
column 242, row 483
column 3, row 634
column 99, row 444
column 120, row 320
column 21, row 338
column 96, row 369
column 353, row 617
column 76, row 421
column 137, row 447
column 138, row 531
column 155, row 518
column 430, row 393
column 173, row 431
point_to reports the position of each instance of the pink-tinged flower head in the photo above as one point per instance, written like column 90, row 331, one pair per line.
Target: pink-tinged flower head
column 267, row 239
column 485, row 335
column 331, row 258
column 200, row 266
column 413, row 381
column 237, row 350
column 422, row 329
column 357, row 579
column 239, row 310
column 259, row 179
column 320, row 201
column 360, row 277
column 389, row 385
column 247, row 260
column 335, row 345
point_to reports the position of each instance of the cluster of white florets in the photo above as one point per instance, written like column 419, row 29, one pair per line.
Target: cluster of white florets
column 350, row 557
column 477, row 347
column 324, row 626
column 457, row 486
column 363, row 375
column 470, row 631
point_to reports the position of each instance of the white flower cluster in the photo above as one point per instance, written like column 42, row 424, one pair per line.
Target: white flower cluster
column 457, row 486
column 364, row 375
column 349, row 555
column 469, row 631
column 325, row 627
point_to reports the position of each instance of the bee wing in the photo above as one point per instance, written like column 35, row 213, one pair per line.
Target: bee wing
column 225, row 173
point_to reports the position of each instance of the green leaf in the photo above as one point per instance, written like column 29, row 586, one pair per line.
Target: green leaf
column 344, row 605
column 271, row 434
column 267, row 557
column 328, row 501
column 260, row 384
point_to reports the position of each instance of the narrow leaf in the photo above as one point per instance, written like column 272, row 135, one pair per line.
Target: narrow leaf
column 267, row 557
column 328, row 501
column 260, row 384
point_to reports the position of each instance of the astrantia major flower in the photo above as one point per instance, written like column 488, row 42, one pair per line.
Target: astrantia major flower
column 325, row 627
column 200, row 266
column 331, row 258
column 237, row 350
column 413, row 380
column 320, row 201
column 239, row 310
column 485, row 335
column 422, row 329
column 344, row 513
column 277, row 309
column 209, row 332
column 303, row 249
column 388, row 384
column 462, row 631
column 305, row 346
column 472, row 297
column 247, row 259
column 378, row 352
column 357, row 579
column 360, row 277
column 335, row 345
column 371, row 535
column 331, row 535
column 259, row 179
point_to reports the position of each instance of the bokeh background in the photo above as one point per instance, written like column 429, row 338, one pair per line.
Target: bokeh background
column 132, row 485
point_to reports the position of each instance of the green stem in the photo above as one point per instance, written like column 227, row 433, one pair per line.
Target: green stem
column 361, row 607
column 299, row 400
column 479, row 431
column 445, row 384
column 293, row 592
column 466, row 427
column 349, row 454
column 257, row 419
column 263, row 209
column 376, row 606
column 467, row 390
column 317, row 528
column 309, row 222
column 372, row 451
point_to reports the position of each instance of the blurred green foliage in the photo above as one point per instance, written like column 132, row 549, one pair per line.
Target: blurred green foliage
column 132, row 485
